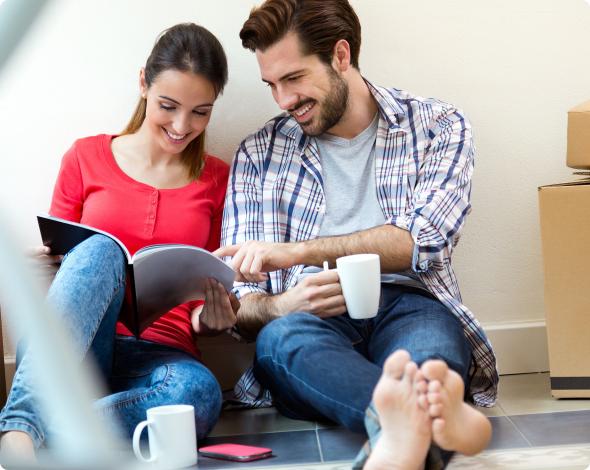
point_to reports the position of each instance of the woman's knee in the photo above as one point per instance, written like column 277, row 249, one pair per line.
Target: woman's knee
column 191, row 383
column 99, row 253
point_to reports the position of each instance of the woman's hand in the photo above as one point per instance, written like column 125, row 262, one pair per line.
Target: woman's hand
column 45, row 264
column 219, row 312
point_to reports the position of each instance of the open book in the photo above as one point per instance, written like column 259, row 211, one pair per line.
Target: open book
column 159, row 277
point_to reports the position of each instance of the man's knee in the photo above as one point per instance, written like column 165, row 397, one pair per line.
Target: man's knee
column 447, row 343
column 434, row 332
column 282, row 334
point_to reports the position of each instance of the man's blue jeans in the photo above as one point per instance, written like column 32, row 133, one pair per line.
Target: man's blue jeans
column 88, row 293
column 328, row 368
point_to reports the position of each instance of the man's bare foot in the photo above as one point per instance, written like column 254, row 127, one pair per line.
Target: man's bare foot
column 405, row 426
column 17, row 446
column 456, row 426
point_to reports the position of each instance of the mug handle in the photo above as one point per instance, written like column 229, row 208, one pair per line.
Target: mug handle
column 136, row 436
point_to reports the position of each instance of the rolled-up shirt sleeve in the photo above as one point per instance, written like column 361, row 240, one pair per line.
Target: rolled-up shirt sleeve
column 242, row 289
column 242, row 216
column 441, row 198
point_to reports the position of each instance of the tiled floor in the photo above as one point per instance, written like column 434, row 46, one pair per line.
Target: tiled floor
column 531, row 431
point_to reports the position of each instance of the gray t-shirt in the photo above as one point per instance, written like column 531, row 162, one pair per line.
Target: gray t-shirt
column 350, row 191
column 348, row 172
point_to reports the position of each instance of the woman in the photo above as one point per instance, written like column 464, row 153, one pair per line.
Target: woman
column 152, row 184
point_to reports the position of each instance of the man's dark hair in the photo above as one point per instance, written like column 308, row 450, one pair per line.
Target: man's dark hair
column 318, row 24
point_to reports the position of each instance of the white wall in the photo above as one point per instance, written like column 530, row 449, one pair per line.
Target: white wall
column 514, row 66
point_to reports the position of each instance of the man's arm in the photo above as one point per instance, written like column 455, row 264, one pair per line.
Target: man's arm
column 393, row 245
column 256, row 310
column 253, row 259
column 319, row 294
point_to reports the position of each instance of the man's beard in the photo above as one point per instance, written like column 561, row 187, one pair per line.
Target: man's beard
column 332, row 107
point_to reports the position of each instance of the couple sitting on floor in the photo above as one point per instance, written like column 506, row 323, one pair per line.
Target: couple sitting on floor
column 349, row 167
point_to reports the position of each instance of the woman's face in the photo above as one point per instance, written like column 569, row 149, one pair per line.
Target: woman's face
column 179, row 106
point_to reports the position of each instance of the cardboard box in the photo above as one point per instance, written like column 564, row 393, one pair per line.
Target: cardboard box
column 578, row 136
column 565, row 234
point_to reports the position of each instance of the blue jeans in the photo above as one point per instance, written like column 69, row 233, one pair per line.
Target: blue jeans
column 328, row 368
column 88, row 293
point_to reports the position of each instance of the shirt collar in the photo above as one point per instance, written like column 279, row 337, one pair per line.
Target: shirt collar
column 388, row 105
column 389, row 108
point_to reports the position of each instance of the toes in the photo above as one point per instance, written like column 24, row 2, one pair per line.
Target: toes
column 409, row 372
column 434, row 387
column 453, row 383
column 395, row 364
column 423, row 402
column 420, row 384
column 419, row 377
column 438, row 426
column 434, row 398
column 435, row 370
column 435, row 411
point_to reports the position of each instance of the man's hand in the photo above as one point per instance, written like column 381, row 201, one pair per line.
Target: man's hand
column 319, row 293
column 219, row 311
column 253, row 259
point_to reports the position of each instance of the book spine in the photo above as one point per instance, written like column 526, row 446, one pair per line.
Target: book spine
column 129, row 315
column 133, row 299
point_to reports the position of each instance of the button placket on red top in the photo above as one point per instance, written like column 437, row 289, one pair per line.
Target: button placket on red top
column 151, row 213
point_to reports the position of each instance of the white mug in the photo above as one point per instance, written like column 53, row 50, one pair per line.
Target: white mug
column 360, row 278
column 172, row 436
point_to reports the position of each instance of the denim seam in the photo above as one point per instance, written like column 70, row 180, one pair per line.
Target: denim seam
column 38, row 436
column 309, row 387
column 165, row 383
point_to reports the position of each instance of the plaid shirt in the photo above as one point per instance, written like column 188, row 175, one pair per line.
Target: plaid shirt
column 424, row 162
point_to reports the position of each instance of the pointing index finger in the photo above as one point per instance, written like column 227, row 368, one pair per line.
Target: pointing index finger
column 229, row 250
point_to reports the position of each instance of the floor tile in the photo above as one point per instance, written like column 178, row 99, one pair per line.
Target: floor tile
column 340, row 444
column 494, row 411
column 319, row 466
column 531, row 393
column 326, row 425
column 261, row 420
column 289, row 448
column 537, row 458
column 505, row 435
column 570, row 427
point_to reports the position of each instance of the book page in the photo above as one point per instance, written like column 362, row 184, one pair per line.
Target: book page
column 169, row 275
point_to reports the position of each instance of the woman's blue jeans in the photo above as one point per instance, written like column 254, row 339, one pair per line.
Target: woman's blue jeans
column 88, row 293
column 328, row 368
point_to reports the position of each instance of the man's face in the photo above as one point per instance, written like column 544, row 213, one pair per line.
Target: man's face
column 304, row 86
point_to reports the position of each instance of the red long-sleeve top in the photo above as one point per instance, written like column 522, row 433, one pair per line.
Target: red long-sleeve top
column 92, row 189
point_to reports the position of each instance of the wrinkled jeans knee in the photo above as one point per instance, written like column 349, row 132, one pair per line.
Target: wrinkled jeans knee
column 284, row 334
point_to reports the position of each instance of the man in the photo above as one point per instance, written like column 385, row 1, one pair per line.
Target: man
column 351, row 167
